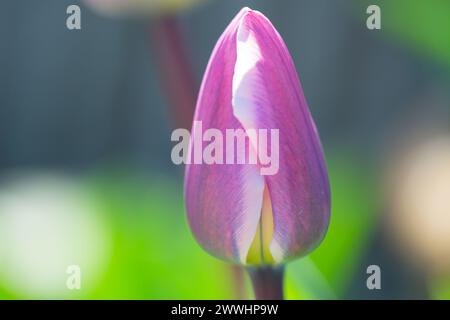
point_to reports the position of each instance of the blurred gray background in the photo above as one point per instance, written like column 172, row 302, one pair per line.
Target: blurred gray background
column 77, row 99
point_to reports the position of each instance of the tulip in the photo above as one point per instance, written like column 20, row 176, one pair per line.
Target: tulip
column 236, row 213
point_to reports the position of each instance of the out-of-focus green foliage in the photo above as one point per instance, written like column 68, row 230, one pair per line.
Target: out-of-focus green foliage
column 154, row 254
column 440, row 288
column 421, row 24
column 305, row 281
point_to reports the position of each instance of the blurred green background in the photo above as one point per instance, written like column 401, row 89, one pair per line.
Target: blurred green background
column 85, row 171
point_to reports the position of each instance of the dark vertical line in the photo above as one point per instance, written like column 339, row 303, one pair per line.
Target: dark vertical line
column 261, row 238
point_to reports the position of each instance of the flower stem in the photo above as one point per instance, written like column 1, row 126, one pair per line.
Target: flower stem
column 267, row 282
column 175, row 69
column 238, row 276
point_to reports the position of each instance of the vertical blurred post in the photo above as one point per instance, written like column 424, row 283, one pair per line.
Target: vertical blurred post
column 175, row 69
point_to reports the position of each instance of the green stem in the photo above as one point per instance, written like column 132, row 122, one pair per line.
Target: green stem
column 267, row 282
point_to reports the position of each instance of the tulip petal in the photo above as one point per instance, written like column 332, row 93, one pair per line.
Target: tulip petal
column 267, row 95
column 223, row 201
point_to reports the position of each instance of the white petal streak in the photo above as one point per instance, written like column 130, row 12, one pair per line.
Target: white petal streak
column 253, row 191
column 248, row 91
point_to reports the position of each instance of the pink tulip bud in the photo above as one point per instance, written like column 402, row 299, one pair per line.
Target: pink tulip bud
column 237, row 211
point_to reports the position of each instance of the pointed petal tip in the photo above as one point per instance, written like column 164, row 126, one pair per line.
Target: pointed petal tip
column 245, row 10
column 247, row 13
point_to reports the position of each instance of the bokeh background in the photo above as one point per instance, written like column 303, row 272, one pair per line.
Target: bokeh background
column 85, row 172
